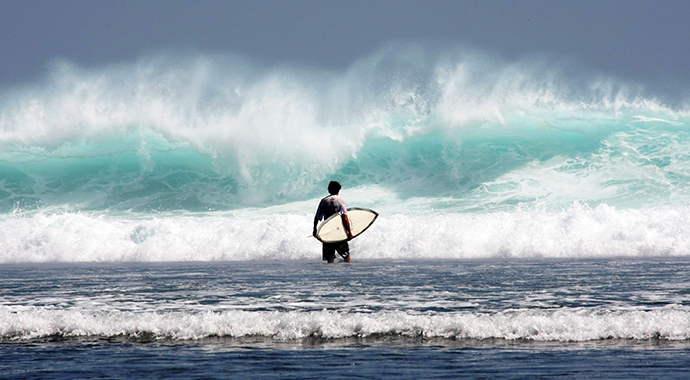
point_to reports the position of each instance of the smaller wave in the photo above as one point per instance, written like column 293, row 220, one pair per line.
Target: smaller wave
column 574, row 325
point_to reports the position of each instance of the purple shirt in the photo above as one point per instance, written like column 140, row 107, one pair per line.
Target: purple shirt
column 330, row 205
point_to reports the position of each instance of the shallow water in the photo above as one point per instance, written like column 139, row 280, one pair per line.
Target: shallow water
column 577, row 318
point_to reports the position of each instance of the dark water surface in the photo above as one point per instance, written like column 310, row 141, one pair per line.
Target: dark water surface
column 594, row 318
column 218, row 360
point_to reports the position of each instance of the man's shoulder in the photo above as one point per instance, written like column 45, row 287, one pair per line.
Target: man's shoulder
column 325, row 201
column 332, row 198
column 340, row 205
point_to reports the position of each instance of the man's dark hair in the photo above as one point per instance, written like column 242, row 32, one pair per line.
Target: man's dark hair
column 334, row 187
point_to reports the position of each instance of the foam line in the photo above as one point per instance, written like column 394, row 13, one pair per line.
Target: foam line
column 28, row 323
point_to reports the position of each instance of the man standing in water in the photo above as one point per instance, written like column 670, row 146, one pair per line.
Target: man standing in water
column 328, row 206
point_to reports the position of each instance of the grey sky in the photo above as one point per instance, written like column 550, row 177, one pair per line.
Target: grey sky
column 640, row 41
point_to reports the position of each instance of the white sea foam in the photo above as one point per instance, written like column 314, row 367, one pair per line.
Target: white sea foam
column 578, row 231
column 26, row 323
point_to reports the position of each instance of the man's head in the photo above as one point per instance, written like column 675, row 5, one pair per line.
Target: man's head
column 334, row 187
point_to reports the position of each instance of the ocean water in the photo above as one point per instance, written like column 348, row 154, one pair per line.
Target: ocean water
column 155, row 221
column 508, row 318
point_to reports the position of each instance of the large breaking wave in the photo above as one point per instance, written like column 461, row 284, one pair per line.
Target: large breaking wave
column 218, row 133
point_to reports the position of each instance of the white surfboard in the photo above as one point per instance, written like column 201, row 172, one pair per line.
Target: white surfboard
column 332, row 230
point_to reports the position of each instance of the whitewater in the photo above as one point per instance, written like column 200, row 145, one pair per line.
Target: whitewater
column 167, row 203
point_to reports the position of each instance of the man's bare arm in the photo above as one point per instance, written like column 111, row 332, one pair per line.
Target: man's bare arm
column 316, row 222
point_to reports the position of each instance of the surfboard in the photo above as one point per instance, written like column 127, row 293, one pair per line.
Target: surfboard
column 332, row 230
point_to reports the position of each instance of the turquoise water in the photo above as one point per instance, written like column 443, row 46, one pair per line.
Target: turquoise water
column 630, row 162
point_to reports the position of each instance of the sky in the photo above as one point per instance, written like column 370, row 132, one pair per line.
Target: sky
column 642, row 42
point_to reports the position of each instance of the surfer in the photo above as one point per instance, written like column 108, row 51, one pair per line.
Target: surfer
column 328, row 206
